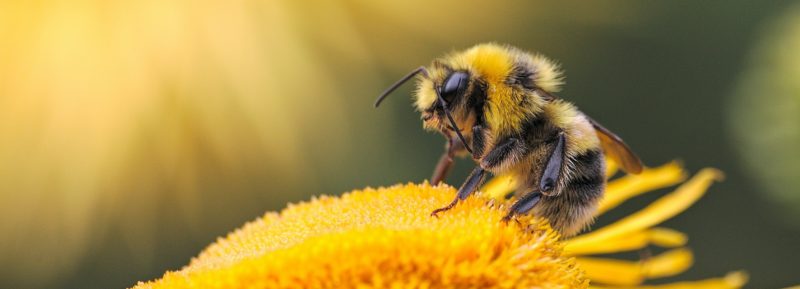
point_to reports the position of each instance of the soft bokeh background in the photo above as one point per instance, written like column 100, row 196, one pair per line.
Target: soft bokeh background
column 134, row 133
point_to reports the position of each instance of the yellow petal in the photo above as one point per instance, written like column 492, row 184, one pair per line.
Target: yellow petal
column 611, row 271
column 731, row 281
column 667, row 264
column 618, row 272
column 629, row 186
column 662, row 209
column 499, row 186
column 667, row 238
column 657, row 236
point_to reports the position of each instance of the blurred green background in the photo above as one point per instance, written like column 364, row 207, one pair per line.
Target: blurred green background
column 134, row 133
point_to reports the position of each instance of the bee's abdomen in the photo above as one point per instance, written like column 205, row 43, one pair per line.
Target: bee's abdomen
column 587, row 176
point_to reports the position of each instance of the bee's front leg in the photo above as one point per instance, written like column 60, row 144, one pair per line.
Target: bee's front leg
column 509, row 148
column 478, row 141
column 473, row 181
column 454, row 147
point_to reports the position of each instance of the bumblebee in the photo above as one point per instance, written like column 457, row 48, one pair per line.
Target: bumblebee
column 497, row 104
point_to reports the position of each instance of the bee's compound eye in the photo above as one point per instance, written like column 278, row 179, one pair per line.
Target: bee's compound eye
column 455, row 83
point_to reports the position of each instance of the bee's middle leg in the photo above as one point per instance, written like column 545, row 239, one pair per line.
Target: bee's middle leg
column 523, row 205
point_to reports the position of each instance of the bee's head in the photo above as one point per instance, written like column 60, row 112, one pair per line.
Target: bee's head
column 462, row 96
column 490, row 84
column 496, row 85
column 447, row 111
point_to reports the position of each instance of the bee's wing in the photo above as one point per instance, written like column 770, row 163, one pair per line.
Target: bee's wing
column 616, row 149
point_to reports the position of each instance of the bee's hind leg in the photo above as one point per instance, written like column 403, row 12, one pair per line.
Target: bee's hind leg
column 470, row 185
column 523, row 205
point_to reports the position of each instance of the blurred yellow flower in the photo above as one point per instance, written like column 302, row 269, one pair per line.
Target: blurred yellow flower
column 764, row 114
column 385, row 238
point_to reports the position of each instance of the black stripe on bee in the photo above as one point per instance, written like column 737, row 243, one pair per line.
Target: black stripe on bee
column 587, row 177
column 538, row 130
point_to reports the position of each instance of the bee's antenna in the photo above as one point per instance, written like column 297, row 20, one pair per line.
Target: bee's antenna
column 400, row 82
column 424, row 72
column 452, row 122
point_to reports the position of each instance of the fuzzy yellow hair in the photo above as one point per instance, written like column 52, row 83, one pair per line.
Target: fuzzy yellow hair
column 494, row 64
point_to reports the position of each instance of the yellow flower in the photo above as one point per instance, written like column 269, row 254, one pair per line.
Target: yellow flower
column 385, row 238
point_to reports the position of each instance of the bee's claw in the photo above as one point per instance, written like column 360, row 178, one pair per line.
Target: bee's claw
column 507, row 218
column 445, row 208
column 510, row 216
column 436, row 212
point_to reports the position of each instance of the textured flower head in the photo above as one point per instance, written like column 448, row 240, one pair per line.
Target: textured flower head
column 385, row 238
